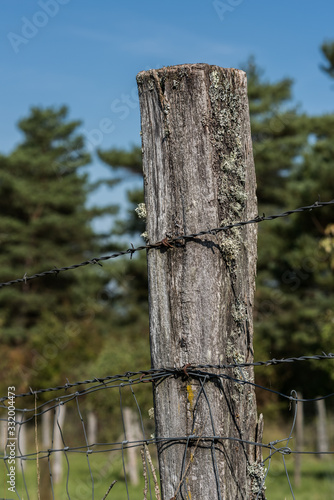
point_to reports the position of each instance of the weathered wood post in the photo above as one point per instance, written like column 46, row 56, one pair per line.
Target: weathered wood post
column 322, row 434
column 199, row 174
column 57, row 443
column 299, row 440
column 132, row 430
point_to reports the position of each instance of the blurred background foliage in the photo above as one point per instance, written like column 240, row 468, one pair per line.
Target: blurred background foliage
column 93, row 322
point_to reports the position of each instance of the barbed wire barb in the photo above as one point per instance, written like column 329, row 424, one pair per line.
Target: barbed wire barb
column 166, row 242
column 77, row 404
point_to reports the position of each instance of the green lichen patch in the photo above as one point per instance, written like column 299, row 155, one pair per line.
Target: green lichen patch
column 175, row 84
column 150, row 85
column 257, row 473
column 230, row 247
column 142, row 214
column 226, row 106
column 230, row 350
column 182, row 72
column 214, row 78
column 226, row 109
column 239, row 312
column 235, row 356
column 141, row 211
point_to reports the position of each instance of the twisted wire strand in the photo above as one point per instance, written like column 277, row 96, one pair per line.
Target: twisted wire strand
column 156, row 374
column 166, row 242
column 211, row 440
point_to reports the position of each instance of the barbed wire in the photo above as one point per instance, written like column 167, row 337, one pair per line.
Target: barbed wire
column 189, row 370
column 212, row 441
column 201, row 372
column 167, row 242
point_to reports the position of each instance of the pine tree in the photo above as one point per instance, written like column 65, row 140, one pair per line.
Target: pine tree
column 127, row 344
column 293, row 154
column 129, row 277
column 327, row 49
column 47, row 326
column 294, row 283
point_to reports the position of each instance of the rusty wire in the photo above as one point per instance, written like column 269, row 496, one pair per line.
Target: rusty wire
column 154, row 374
column 166, row 242
column 77, row 392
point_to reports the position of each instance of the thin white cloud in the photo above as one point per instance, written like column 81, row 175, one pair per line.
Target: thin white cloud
column 167, row 41
column 157, row 46
column 92, row 35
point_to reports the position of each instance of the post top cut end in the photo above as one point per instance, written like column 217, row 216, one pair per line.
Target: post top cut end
column 185, row 68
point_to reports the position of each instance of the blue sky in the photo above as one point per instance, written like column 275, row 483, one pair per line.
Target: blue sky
column 86, row 54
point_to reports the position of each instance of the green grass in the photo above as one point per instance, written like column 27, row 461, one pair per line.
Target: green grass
column 317, row 479
column 78, row 477
column 317, row 475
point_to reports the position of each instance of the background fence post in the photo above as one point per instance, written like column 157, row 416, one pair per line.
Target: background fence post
column 46, row 428
column 57, row 466
column 92, row 427
column 199, row 174
column 299, row 439
column 132, row 431
column 322, row 435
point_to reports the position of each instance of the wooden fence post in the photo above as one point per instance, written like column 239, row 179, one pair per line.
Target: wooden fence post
column 58, row 423
column 46, row 428
column 92, row 427
column 322, row 434
column 199, row 174
column 299, row 440
column 132, row 431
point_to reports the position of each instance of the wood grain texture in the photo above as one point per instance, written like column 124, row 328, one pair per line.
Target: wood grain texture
column 199, row 173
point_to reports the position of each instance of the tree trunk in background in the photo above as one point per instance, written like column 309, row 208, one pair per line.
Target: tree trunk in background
column 199, row 174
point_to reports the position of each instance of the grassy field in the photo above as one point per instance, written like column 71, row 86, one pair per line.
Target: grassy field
column 317, row 480
column 317, row 477
column 76, row 483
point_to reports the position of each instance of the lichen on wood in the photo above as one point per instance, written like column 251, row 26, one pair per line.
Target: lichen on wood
column 199, row 173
